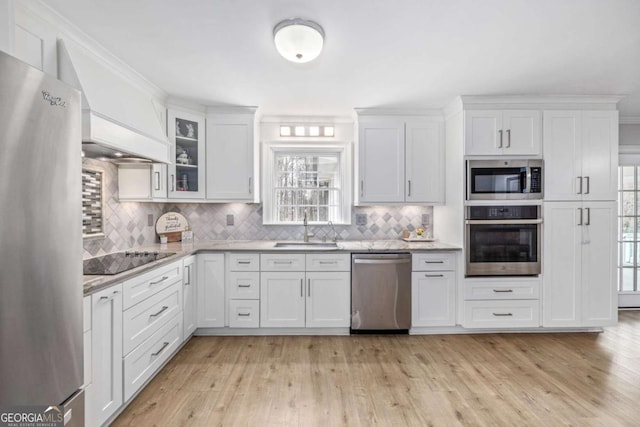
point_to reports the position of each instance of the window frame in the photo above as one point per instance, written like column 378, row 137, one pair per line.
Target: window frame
column 306, row 148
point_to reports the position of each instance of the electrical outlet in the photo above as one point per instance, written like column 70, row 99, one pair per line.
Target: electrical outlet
column 426, row 219
column 230, row 219
column 361, row 219
column 150, row 220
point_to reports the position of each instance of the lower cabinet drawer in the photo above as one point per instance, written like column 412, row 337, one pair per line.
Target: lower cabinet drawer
column 144, row 361
column 244, row 313
column 502, row 314
column 282, row 262
column 244, row 285
column 144, row 319
column 499, row 288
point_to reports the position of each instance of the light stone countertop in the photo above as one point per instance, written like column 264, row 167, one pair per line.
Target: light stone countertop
column 93, row 284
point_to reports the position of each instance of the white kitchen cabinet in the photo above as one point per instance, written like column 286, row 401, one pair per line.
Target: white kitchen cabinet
column 579, row 264
column 328, row 299
column 189, row 299
column 305, row 290
column 230, row 156
column 142, row 182
column 243, row 290
column 106, row 353
column 401, row 160
column 282, row 299
column 433, row 289
column 502, row 132
column 381, row 161
column 210, row 290
column 186, row 132
column 580, row 155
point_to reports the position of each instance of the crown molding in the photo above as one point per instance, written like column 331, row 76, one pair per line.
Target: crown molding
column 629, row 120
column 540, row 99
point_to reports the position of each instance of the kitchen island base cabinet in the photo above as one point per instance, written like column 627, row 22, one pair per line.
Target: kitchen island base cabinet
column 211, row 290
column 106, row 353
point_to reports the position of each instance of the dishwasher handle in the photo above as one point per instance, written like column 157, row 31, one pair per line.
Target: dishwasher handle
column 382, row 261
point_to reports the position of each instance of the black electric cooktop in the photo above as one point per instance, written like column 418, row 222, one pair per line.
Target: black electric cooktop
column 108, row 265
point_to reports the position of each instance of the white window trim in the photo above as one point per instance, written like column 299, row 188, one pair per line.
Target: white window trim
column 269, row 150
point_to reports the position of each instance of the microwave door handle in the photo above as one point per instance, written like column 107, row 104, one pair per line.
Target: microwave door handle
column 527, row 188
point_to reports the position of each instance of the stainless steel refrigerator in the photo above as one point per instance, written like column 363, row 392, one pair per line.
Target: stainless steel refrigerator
column 40, row 241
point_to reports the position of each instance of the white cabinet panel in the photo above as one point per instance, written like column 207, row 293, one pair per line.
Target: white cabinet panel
column 230, row 152
column 502, row 314
column 502, row 132
column 106, row 352
column 244, row 313
column 600, row 155
column 433, row 296
column 244, row 285
column 144, row 319
column 579, row 270
column 581, row 155
column 482, row 132
column 142, row 363
column 282, row 262
column 282, row 299
column 244, row 262
column 562, row 155
column 328, row 299
column 141, row 287
column 501, row 288
column 382, row 162
column 599, row 265
column 433, row 261
column 425, row 160
column 210, row 290
column 189, row 299
column 328, row 262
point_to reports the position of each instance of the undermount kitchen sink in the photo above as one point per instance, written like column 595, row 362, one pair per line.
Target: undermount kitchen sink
column 307, row 245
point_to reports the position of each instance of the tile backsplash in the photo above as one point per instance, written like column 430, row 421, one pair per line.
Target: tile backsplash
column 126, row 224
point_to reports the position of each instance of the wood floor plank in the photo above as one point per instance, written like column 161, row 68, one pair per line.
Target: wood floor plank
column 574, row 379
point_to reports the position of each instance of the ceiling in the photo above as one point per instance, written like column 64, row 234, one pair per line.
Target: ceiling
column 378, row 53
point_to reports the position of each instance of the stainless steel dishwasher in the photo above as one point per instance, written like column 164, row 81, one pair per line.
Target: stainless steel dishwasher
column 380, row 292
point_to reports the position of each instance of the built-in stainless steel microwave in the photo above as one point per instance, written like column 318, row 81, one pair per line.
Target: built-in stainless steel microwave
column 508, row 179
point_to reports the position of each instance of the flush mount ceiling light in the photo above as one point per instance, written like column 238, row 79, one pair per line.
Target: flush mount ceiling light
column 298, row 40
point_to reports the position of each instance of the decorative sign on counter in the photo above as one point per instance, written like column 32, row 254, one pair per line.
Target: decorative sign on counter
column 172, row 225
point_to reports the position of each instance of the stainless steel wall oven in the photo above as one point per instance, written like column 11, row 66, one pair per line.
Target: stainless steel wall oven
column 503, row 240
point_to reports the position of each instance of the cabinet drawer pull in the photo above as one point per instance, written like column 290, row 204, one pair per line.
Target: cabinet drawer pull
column 244, row 314
column 166, row 343
column 309, row 287
column 164, row 308
column 579, row 185
column 244, row 262
column 434, row 262
column 159, row 281
column 301, row 288
column 113, row 294
column 188, row 269
column 244, row 286
column 157, row 175
column 434, row 275
column 502, row 314
column 502, row 290
column 283, row 262
column 328, row 262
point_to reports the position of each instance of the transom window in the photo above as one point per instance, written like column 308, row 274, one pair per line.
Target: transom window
column 306, row 180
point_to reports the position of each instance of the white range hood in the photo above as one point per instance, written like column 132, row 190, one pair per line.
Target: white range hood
column 116, row 115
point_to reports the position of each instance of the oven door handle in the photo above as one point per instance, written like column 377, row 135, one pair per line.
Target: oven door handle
column 502, row 221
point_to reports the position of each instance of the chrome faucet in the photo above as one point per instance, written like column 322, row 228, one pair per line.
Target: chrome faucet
column 306, row 228
column 335, row 234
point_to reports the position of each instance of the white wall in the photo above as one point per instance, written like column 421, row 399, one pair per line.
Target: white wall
column 6, row 25
column 630, row 134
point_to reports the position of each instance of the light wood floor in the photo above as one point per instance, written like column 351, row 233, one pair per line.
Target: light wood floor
column 578, row 379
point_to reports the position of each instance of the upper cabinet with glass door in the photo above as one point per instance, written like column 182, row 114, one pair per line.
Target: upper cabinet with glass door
column 187, row 172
